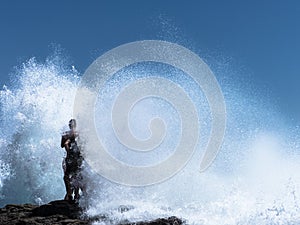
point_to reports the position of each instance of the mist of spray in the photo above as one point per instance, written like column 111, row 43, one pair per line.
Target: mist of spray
column 254, row 179
column 33, row 114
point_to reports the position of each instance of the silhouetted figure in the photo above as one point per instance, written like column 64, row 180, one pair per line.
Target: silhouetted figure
column 72, row 162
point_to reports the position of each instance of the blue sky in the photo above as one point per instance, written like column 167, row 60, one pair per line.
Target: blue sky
column 262, row 37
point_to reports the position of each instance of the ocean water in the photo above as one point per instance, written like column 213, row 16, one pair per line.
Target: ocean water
column 253, row 180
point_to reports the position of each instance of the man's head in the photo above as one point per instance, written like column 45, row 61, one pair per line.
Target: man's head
column 72, row 124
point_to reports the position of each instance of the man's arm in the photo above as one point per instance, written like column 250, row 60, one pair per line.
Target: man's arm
column 65, row 141
column 66, row 145
column 64, row 138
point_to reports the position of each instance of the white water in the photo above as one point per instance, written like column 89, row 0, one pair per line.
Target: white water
column 254, row 179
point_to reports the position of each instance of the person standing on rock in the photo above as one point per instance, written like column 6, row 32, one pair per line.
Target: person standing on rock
column 72, row 162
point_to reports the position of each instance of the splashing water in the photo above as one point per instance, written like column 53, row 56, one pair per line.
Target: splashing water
column 254, row 179
column 32, row 116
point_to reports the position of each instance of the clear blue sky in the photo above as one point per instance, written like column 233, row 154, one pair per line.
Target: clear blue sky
column 262, row 36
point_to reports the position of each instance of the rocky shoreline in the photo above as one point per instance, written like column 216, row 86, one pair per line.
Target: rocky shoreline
column 62, row 212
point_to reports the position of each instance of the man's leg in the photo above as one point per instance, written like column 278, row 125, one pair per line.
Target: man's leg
column 76, row 194
column 67, row 181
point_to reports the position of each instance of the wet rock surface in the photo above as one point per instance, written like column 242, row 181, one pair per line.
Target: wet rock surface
column 62, row 212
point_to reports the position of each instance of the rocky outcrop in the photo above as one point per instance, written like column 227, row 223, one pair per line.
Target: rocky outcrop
column 62, row 213
column 161, row 221
column 56, row 212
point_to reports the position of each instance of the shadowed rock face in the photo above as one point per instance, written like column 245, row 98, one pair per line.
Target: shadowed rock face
column 62, row 213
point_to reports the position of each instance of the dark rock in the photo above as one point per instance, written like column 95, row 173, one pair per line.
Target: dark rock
column 60, row 207
column 161, row 221
column 64, row 213
column 125, row 208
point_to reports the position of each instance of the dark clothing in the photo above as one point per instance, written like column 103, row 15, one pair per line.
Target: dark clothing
column 72, row 163
column 73, row 160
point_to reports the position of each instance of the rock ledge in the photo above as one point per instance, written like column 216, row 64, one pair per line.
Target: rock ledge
column 62, row 212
